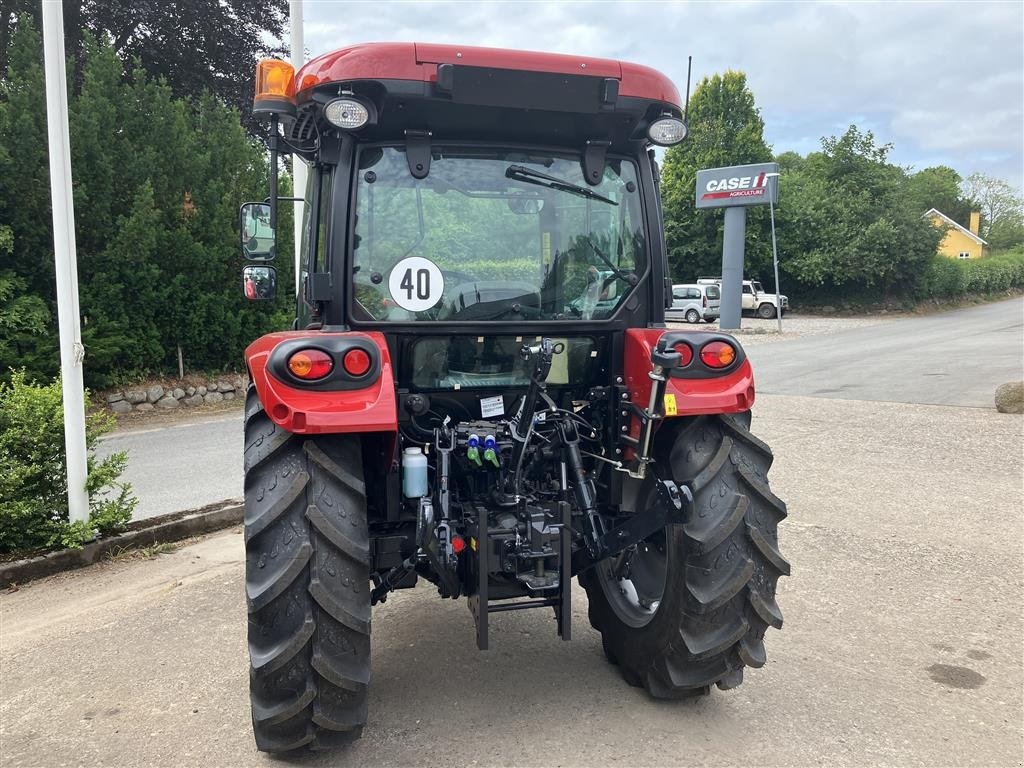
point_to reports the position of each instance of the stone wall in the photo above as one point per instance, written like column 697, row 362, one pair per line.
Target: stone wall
column 167, row 397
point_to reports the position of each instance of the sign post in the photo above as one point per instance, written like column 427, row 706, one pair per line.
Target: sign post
column 734, row 188
column 775, row 259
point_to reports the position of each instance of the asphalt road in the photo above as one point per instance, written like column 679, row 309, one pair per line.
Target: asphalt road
column 901, row 644
column 954, row 358
column 182, row 466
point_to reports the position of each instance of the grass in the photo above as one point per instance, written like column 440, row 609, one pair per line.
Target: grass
column 120, row 554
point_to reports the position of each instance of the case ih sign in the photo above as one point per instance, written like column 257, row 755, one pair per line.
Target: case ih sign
column 737, row 185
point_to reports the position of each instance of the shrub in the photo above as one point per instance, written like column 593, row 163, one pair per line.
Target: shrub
column 33, row 467
column 945, row 278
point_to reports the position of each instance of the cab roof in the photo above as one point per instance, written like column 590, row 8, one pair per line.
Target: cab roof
column 420, row 61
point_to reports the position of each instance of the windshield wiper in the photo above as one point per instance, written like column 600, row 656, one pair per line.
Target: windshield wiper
column 629, row 277
column 522, row 173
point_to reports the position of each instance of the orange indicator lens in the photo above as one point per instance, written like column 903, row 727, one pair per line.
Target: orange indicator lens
column 310, row 364
column 717, row 354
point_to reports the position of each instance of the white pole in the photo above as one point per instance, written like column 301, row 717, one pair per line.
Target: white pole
column 71, row 350
column 298, row 165
column 775, row 256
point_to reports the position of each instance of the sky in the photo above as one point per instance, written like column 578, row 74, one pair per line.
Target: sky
column 942, row 81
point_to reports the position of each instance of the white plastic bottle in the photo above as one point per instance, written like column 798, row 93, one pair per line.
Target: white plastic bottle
column 414, row 473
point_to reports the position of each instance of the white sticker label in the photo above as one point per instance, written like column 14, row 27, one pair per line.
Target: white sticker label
column 416, row 284
column 492, row 406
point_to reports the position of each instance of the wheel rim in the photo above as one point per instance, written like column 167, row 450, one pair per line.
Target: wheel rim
column 634, row 582
column 692, row 316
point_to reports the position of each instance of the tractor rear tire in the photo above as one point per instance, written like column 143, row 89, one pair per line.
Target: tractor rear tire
column 307, row 585
column 720, row 568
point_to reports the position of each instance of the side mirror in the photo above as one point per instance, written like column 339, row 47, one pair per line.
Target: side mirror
column 259, row 283
column 258, row 237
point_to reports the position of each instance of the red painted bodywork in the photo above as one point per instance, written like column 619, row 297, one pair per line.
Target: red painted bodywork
column 310, row 412
column 418, row 61
column 732, row 392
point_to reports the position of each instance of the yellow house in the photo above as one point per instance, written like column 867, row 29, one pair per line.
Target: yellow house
column 959, row 243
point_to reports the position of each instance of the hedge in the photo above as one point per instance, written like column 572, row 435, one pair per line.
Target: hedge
column 946, row 278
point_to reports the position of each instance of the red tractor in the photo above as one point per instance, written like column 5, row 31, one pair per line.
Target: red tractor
column 481, row 390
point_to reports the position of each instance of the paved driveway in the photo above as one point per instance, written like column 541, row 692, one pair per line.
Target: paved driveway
column 902, row 641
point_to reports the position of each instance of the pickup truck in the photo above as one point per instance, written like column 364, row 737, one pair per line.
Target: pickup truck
column 756, row 300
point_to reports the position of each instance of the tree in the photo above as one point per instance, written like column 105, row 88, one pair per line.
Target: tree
column 725, row 129
column 24, row 318
column 846, row 222
column 1002, row 209
column 939, row 188
column 195, row 45
column 157, row 184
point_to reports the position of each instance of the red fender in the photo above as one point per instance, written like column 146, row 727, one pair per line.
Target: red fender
column 732, row 392
column 369, row 408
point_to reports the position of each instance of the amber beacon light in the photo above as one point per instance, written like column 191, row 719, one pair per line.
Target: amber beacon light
column 275, row 87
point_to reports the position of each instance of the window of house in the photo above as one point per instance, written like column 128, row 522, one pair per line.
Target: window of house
column 965, row 254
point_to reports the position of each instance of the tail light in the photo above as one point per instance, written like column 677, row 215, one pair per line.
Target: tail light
column 687, row 352
column 717, row 354
column 311, row 364
column 705, row 302
column 356, row 362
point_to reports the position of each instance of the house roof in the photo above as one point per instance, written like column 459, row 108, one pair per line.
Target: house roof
column 945, row 218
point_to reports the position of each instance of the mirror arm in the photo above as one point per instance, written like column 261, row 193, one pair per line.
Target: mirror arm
column 273, row 172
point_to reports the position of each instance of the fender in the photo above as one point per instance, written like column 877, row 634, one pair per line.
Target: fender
column 707, row 392
column 320, row 407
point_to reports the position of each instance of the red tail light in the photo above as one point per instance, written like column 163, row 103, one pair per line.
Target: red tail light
column 705, row 302
column 717, row 354
column 687, row 352
column 356, row 362
column 310, row 364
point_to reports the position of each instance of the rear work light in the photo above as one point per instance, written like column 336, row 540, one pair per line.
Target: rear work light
column 717, row 354
column 347, row 113
column 667, row 131
column 356, row 362
column 275, row 86
column 310, row 364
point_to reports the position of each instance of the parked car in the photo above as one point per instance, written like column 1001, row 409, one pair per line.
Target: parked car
column 756, row 300
column 697, row 302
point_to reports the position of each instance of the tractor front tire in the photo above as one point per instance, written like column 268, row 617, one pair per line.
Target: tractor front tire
column 720, row 568
column 307, row 585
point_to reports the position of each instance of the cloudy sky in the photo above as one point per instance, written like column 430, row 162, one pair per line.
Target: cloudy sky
column 942, row 81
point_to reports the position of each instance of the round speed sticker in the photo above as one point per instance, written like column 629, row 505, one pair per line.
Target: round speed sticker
column 416, row 284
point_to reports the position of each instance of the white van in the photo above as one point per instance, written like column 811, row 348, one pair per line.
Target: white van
column 697, row 301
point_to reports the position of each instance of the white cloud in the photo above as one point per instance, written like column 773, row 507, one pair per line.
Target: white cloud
column 943, row 81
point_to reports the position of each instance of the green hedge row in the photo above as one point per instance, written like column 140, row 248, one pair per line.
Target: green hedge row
column 946, row 278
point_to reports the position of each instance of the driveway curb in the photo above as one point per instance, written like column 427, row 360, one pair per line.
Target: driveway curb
column 193, row 523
